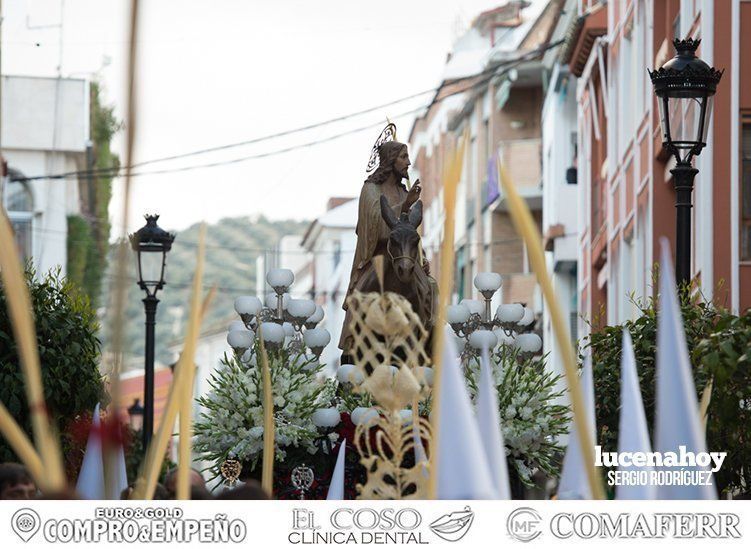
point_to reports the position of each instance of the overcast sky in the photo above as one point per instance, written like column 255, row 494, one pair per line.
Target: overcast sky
column 224, row 71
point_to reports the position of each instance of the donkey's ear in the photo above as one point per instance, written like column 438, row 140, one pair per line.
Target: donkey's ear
column 415, row 214
column 387, row 213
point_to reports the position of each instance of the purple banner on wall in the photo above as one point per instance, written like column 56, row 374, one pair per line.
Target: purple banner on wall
column 491, row 187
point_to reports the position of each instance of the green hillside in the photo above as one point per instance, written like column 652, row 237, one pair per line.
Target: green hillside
column 232, row 247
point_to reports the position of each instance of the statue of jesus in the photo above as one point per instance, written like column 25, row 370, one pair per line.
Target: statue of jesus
column 372, row 229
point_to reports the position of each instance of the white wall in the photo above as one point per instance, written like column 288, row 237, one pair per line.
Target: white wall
column 560, row 201
column 210, row 351
column 560, row 204
column 332, row 279
column 45, row 130
column 45, row 113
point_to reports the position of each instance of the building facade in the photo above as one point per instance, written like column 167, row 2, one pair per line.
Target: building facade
column 492, row 89
column 626, row 196
column 577, row 130
column 330, row 242
column 45, row 130
column 560, row 212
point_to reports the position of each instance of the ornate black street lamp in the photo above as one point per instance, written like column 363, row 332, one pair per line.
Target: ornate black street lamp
column 135, row 415
column 685, row 88
column 151, row 244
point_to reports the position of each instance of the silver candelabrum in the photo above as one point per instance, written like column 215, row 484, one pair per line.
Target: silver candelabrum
column 472, row 321
column 281, row 320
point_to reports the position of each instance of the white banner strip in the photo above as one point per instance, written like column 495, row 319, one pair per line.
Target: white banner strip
column 270, row 524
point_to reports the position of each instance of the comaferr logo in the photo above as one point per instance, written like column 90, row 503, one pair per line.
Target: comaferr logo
column 453, row 526
column 641, row 525
column 524, row 524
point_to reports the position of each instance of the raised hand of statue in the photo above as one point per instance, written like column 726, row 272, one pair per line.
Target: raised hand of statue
column 413, row 195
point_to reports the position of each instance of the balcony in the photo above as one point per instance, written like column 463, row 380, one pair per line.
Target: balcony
column 520, row 288
column 521, row 159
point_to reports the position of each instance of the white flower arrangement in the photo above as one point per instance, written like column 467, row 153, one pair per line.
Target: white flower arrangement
column 231, row 422
column 532, row 420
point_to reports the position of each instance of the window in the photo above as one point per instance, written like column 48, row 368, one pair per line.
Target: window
column 19, row 205
column 574, row 313
column 571, row 174
column 460, row 274
column 746, row 190
column 640, row 61
column 616, row 108
column 625, row 96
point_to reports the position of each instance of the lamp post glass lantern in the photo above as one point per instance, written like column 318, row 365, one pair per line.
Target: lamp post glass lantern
column 135, row 415
column 151, row 244
column 685, row 87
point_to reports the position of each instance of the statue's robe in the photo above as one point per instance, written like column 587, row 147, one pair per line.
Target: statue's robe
column 372, row 237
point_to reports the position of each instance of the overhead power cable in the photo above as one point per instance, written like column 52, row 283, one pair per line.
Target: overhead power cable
column 488, row 74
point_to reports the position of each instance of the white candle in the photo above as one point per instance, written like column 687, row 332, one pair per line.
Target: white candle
column 280, row 278
column 529, row 343
column 481, row 339
column 317, row 316
column 301, row 308
column 248, row 305
column 240, row 339
column 510, row 312
column 272, row 332
column 349, row 373
column 317, row 338
column 363, row 416
column 457, row 314
column 527, row 318
column 289, row 330
column 488, row 282
column 326, row 417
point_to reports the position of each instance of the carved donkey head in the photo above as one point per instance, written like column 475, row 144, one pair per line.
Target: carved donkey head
column 404, row 240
